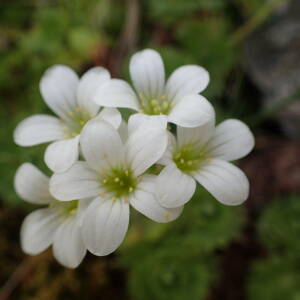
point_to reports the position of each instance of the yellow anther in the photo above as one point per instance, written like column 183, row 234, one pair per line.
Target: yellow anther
column 117, row 179
column 190, row 162
column 73, row 211
column 167, row 215
column 165, row 104
column 182, row 161
column 104, row 181
column 126, row 172
column 154, row 102
column 130, row 190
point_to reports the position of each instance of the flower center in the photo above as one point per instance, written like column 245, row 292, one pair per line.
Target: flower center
column 71, row 207
column 79, row 118
column 67, row 208
column 119, row 182
column 155, row 106
column 189, row 159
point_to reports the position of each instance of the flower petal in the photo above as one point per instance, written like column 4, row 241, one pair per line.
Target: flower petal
column 192, row 111
column 174, row 188
column 38, row 129
column 138, row 121
column 171, row 148
column 145, row 147
column 61, row 155
column 32, row 185
column 116, row 93
column 101, row 145
column 232, row 140
column 38, row 229
column 123, row 131
column 190, row 79
column 145, row 201
column 105, row 225
column 111, row 115
column 58, row 87
column 68, row 247
column 87, row 87
column 147, row 73
column 197, row 136
column 79, row 182
column 227, row 183
column 81, row 209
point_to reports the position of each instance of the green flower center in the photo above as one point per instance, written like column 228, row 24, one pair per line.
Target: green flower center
column 67, row 208
column 188, row 158
column 71, row 207
column 159, row 106
column 79, row 117
column 119, row 182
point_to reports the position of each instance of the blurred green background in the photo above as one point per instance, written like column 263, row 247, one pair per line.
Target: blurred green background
column 211, row 252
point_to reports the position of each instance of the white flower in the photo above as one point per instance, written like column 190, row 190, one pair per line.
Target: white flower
column 57, row 225
column 114, row 174
column 202, row 154
column 177, row 98
column 70, row 99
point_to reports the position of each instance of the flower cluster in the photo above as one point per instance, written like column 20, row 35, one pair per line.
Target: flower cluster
column 102, row 165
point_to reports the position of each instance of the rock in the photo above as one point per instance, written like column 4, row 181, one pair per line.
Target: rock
column 272, row 55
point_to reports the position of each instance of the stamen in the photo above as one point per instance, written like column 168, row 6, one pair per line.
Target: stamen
column 119, row 182
column 155, row 106
column 188, row 158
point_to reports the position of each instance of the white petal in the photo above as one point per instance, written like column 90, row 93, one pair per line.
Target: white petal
column 192, row 111
column 81, row 209
column 105, row 225
column 68, row 247
column 190, row 79
column 174, row 188
column 147, row 73
column 87, row 87
column 123, row 131
column 61, row 155
column 38, row 229
column 227, row 183
column 38, row 129
column 232, row 140
column 145, row 147
column 171, row 148
column 79, row 182
column 145, row 201
column 197, row 136
column 138, row 121
column 101, row 145
column 58, row 87
column 32, row 185
column 111, row 115
column 116, row 93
